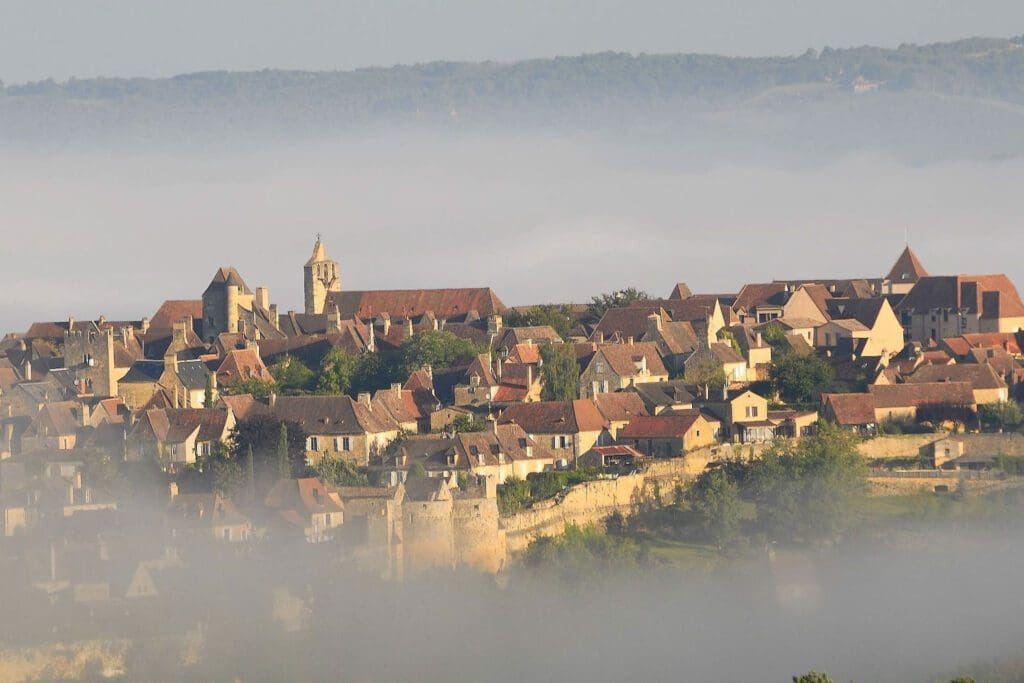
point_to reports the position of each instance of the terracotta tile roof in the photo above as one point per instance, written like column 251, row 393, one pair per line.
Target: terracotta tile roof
column 850, row 410
column 978, row 376
column 510, row 336
column 907, row 268
column 622, row 358
column 56, row 419
column 991, row 296
column 659, row 426
column 753, row 295
column 444, row 303
column 921, row 394
column 555, row 417
column 524, row 353
column 508, row 393
column 401, row 404
column 176, row 310
column 680, row 291
column 306, row 497
column 1004, row 340
column 620, row 406
column 311, row 349
column 679, row 337
column 937, row 357
column 241, row 365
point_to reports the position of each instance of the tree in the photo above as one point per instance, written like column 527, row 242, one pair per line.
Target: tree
column 716, row 498
column 800, row 379
column 807, row 490
column 561, row 372
column 292, row 375
column 225, row 473
column 617, row 299
column 437, row 348
column 339, row 472
column 812, row 677
column 284, row 461
column 464, row 423
column 703, row 369
column 557, row 316
column 336, row 372
column 1002, row 415
column 257, row 387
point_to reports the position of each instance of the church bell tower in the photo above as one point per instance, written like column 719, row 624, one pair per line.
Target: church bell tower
column 320, row 277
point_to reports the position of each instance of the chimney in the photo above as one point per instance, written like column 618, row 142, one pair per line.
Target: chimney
column 128, row 333
column 263, row 298
column 145, row 325
column 71, row 324
column 364, row 400
column 760, row 340
column 172, row 490
column 529, row 376
column 273, row 399
column 494, row 324
column 497, row 368
column 600, row 337
column 176, row 403
column 629, row 340
column 386, row 322
column 396, row 388
column 654, row 325
column 27, row 370
column 334, row 320
column 408, row 327
column 274, row 317
column 725, row 391
column 437, row 325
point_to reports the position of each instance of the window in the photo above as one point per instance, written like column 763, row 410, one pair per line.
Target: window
column 313, row 443
column 751, row 411
column 342, row 443
column 599, row 366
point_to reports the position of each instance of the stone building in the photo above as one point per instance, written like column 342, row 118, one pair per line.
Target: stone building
column 320, row 276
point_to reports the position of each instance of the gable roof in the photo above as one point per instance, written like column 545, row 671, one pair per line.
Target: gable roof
column 979, row 376
column 555, row 417
column 916, row 395
column 241, row 365
column 907, row 268
column 182, row 422
column 990, row 296
column 630, row 321
column 620, row 406
column 864, row 311
column 227, row 275
column 443, row 303
column 175, row 310
column 622, row 358
column 659, row 426
column 306, row 497
column 850, row 410
column 331, row 415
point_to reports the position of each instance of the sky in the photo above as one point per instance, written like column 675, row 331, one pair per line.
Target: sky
column 85, row 38
column 539, row 220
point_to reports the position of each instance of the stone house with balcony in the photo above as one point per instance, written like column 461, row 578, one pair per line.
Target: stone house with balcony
column 618, row 366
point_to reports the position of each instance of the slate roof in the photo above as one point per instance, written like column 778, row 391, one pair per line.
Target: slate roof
column 193, row 374
column 143, row 371
column 663, row 394
column 864, row 311
column 325, row 415
column 444, row 303
column 626, row 322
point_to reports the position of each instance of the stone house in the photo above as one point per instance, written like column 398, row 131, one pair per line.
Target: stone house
column 310, row 508
column 401, row 405
column 618, row 366
column 951, row 306
column 568, row 428
column 242, row 365
column 54, row 428
column 742, row 413
column 763, row 302
column 178, row 437
column 619, row 408
column 98, row 360
column 669, row 436
column 659, row 397
column 720, row 354
column 855, row 412
column 338, row 426
column 932, row 401
column 986, row 384
column 870, row 320
column 206, row 514
column 973, row 451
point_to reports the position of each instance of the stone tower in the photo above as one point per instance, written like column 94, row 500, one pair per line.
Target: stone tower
column 320, row 277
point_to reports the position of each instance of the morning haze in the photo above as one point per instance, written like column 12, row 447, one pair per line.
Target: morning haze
column 282, row 396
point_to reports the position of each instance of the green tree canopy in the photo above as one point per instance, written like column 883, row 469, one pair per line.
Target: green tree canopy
column 617, row 299
column 716, row 498
column 558, row 316
column 806, row 490
column 292, row 375
column 336, row 372
column 438, row 348
column 800, row 379
column 561, row 372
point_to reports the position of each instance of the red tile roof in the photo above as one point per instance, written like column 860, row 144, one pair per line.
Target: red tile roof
column 991, row 296
column 176, row 310
column 443, row 303
column 923, row 394
column 620, row 406
column 850, row 410
column 241, row 365
column 623, row 358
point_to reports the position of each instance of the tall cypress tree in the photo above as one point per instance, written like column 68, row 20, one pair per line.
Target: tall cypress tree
column 250, row 474
column 284, row 463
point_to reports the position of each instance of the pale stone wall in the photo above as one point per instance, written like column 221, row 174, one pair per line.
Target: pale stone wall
column 479, row 543
column 902, row 446
column 427, row 535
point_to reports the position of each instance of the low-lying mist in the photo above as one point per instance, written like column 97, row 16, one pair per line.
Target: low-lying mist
column 539, row 218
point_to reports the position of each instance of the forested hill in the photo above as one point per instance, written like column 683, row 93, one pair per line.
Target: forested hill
column 972, row 90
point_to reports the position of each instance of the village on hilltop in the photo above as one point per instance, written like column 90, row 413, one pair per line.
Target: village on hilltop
column 389, row 422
